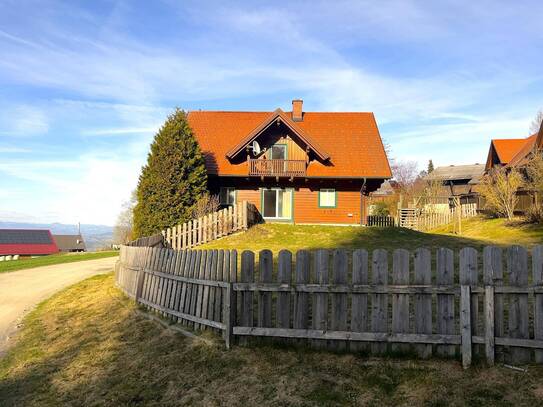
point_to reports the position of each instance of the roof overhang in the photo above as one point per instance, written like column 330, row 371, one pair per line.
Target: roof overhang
column 287, row 121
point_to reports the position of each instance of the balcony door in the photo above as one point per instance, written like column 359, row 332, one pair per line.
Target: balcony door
column 276, row 203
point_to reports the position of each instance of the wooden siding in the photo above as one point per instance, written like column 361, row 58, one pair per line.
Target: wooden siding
column 249, row 195
column 306, row 207
column 294, row 150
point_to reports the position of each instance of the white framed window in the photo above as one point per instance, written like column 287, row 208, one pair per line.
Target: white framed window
column 276, row 203
column 227, row 196
column 327, row 198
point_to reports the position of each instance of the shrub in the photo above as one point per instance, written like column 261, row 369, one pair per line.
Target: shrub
column 380, row 209
column 205, row 205
column 499, row 190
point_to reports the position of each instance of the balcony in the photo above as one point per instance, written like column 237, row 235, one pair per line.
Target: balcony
column 277, row 168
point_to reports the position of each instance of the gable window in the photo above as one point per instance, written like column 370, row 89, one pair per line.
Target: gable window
column 279, row 152
column 227, row 196
column 327, row 198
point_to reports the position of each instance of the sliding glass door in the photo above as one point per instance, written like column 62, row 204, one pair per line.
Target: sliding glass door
column 277, row 203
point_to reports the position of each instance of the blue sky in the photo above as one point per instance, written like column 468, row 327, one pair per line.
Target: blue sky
column 85, row 84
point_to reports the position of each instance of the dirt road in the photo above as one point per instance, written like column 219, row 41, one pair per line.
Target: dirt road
column 22, row 290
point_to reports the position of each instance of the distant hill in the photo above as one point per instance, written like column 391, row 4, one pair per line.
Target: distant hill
column 95, row 236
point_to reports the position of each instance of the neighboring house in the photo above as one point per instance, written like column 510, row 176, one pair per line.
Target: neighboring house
column 457, row 180
column 26, row 242
column 299, row 167
column 514, row 152
column 70, row 243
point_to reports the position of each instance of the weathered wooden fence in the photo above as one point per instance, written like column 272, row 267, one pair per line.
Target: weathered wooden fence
column 207, row 228
column 485, row 304
column 420, row 219
column 380, row 221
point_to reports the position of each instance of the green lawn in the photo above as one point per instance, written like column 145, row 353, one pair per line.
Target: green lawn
column 14, row 265
column 87, row 346
column 477, row 232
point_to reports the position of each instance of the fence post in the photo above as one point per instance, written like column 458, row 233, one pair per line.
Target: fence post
column 465, row 324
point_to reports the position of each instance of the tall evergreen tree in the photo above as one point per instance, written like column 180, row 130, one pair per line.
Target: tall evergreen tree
column 173, row 179
column 430, row 166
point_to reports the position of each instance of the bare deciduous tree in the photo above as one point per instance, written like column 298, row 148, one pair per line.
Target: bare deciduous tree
column 534, row 183
column 405, row 173
column 123, row 229
column 206, row 204
column 499, row 188
column 536, row 123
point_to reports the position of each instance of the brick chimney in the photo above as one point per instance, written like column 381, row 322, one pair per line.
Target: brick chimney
column 297, row 110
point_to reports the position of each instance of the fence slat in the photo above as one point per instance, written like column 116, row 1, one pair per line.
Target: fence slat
column 423, row 302
column 493, row 276
column 537, row 273
column 265, row 262
column 320, row 300
column 208, row 295
column 204, row 266
column 400, row 302
column 284, row 276
column 339, row 301
column 489, row 324
column 445, row 302
column 517, row 267
column 359, row 320
column 301, row 300
column 469, row 276
column 247, row 276
column 379, row 314
column 465, row 324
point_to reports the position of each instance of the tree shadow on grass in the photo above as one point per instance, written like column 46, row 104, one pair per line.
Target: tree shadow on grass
column 88, row 346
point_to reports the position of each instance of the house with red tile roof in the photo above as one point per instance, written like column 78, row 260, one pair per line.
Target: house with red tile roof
column 514, row 152
column 298, row 167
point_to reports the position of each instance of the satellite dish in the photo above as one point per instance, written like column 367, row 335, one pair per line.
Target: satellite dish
column 256, row 148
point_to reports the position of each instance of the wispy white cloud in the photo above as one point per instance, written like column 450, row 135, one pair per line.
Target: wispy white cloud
column 103, row 86
column 23, row 120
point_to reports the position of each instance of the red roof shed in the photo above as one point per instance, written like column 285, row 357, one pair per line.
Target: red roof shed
column 26, row 242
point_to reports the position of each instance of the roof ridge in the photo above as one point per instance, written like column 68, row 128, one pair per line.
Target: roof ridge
column 271, row 111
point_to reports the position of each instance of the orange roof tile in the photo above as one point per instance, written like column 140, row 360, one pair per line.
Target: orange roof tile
column 507, row 148
column 351, row 139
column 526, row 148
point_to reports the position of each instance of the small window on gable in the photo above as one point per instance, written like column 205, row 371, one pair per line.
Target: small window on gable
column 327, row 198
column 227, row 196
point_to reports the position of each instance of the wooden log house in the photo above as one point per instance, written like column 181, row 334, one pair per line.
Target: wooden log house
column 296, row 167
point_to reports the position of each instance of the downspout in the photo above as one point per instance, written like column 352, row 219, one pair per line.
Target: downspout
column 362, row 206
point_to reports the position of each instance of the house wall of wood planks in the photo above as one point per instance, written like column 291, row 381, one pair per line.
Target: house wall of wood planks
column 213, row 226
column 488, row 304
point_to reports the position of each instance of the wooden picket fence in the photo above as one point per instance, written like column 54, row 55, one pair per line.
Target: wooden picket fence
column 341, row 300
column 224, row 222
column 419, row 219
column 380, row 221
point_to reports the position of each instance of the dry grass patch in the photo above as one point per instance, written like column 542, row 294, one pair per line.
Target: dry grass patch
column 88, row 346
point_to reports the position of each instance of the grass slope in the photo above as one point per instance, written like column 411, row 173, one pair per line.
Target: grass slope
column 87, row 346
column 14, row 265
column 477, row 232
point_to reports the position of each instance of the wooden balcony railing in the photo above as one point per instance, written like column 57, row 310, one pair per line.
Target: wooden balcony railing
column 277, row 168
